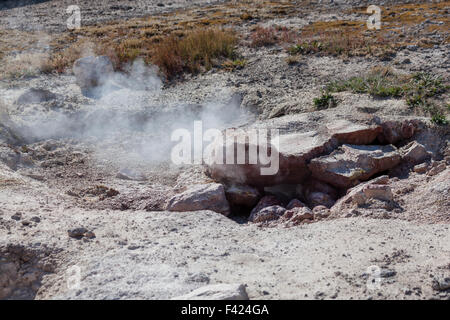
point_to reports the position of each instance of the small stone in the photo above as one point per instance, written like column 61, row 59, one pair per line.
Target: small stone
column 421, row 168
column 437, row 169
column 441, row 284
column 267, row 214
column 321, row 212
column 77, row 233
column 89, row 235
column 414, row 153
column 297, row 215
column 17, row 216
column 387, row 273
column 295, row 203
column 35, row 219
column 129, row 174
column 217, row 292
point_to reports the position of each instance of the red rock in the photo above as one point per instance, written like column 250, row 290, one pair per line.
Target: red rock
column 321, row 212
column 201, row 197
column 297, row 215
column 414, row 153
column 421, row 168
column 267, row 214
column 295, row 150
column 353, row 133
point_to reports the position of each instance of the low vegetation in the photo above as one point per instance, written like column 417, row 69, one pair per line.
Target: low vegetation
column 420, row 90
column 196, row 51
column 325, row 101
column 338, row 43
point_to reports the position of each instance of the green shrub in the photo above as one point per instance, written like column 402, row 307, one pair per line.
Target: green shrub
column 325, row 101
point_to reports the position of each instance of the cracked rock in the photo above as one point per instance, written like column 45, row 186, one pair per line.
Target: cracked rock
column 351, row 164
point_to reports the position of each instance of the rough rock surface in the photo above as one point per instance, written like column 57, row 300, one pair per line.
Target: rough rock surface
column 374, row 189
column 201, row 197
column 394, row 132
column 297, row 215
column 414, row 153
column 295, row 151
column 240, row 195
column 351, row 164
column 217, row 292
column 267, row 214
column 266, row 201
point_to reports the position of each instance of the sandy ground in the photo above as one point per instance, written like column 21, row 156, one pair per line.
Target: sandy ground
column 160, row 255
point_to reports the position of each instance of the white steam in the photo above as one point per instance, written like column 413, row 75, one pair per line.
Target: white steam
column 127, row 119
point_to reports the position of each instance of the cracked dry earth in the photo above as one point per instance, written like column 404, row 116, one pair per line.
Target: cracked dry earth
column 87, row 190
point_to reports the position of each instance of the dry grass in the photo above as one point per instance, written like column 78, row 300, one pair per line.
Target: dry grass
column 196, row 51
column 337, row 42
column 24, row 64
column 124, row 40
column 267, row 36
column 353, row 37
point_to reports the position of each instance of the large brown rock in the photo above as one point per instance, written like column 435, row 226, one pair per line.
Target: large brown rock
column 353, row 133
column 295, row 151
column 201, row 197
column 351, row 164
